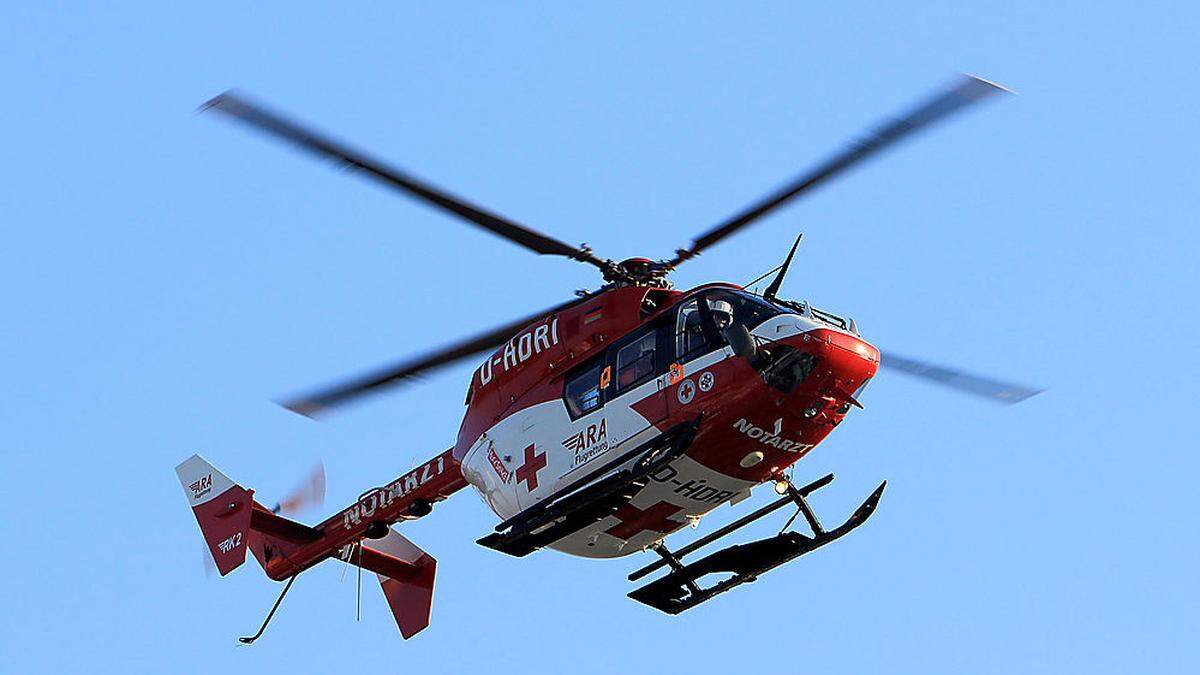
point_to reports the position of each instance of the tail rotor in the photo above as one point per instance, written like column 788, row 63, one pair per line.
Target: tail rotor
column 307, row 495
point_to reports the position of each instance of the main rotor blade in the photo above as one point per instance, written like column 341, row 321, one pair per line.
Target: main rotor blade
column 322, row 400
column 967, row 90
column 263, row 119
column 977, row 385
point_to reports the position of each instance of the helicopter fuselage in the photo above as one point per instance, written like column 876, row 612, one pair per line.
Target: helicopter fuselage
column 582, row 386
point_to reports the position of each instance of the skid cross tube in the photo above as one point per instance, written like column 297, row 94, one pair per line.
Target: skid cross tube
column 673, row 560
column 799, row 497
column 795, row 496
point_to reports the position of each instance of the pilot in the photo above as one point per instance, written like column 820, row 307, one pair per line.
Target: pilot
column 722, row 313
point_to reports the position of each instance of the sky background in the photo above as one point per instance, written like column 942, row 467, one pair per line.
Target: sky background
column 167, row 275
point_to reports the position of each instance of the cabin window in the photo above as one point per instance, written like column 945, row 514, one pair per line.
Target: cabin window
column 582, row 391
column 635, row 361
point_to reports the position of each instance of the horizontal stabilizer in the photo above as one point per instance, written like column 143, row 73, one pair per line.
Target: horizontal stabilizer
column 222, row 508
column 406, row 574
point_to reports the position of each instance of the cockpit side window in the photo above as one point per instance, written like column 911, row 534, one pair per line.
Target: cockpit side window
column 692, row 338
column 748, row 310
column 582, row 390
column 703, row 321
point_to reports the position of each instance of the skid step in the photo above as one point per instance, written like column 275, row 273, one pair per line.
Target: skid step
column 679, row 589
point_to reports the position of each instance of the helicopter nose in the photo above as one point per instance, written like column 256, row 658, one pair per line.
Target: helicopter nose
column 850, row 361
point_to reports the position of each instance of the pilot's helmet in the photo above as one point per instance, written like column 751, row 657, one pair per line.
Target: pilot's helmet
column 722, row 312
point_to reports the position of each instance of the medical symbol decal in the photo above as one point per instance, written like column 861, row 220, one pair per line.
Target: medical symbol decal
column 686, row 392
column 528, row 472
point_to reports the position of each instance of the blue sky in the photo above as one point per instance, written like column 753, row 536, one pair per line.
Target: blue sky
column 166, row 275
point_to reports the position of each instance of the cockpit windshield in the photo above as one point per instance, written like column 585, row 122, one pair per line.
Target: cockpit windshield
column 748, row 309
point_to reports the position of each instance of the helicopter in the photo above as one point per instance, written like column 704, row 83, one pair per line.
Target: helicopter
column 600, row 426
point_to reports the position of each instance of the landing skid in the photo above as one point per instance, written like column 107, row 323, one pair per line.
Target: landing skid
column 593, row 498
column 678, row 590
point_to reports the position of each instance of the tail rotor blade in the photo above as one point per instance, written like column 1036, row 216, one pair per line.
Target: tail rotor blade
column 210, row 568
column 310, row 493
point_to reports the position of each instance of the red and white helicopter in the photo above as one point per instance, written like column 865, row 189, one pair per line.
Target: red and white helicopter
column 600, row 426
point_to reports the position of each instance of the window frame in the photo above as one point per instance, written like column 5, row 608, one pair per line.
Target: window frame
column 638, row 337
column 713, row 338
column 664, row 349
column 600, row 361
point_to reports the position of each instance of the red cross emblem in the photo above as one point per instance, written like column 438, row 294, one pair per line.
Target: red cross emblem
column 635, row 520
column 529, row 470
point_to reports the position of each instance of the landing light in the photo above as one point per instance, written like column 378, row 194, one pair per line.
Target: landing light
column 781, row 486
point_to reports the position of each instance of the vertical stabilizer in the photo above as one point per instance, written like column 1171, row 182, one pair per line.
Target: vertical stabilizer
column 222, row 508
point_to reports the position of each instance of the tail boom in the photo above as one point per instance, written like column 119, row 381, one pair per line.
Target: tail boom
column 406, row 498
column 360, row 534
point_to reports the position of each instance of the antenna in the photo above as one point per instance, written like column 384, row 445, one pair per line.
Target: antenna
column 769, row 294
column 764, row 275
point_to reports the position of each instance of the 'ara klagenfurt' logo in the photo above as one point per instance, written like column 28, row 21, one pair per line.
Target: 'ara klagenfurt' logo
column 201, row 487
column 588, row 443
column 772, row 437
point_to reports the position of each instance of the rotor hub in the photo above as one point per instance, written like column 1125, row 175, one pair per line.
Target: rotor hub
column 637, row 272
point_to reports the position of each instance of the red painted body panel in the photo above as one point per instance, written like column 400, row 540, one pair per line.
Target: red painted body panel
column 721, row 442
column 575, row 335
